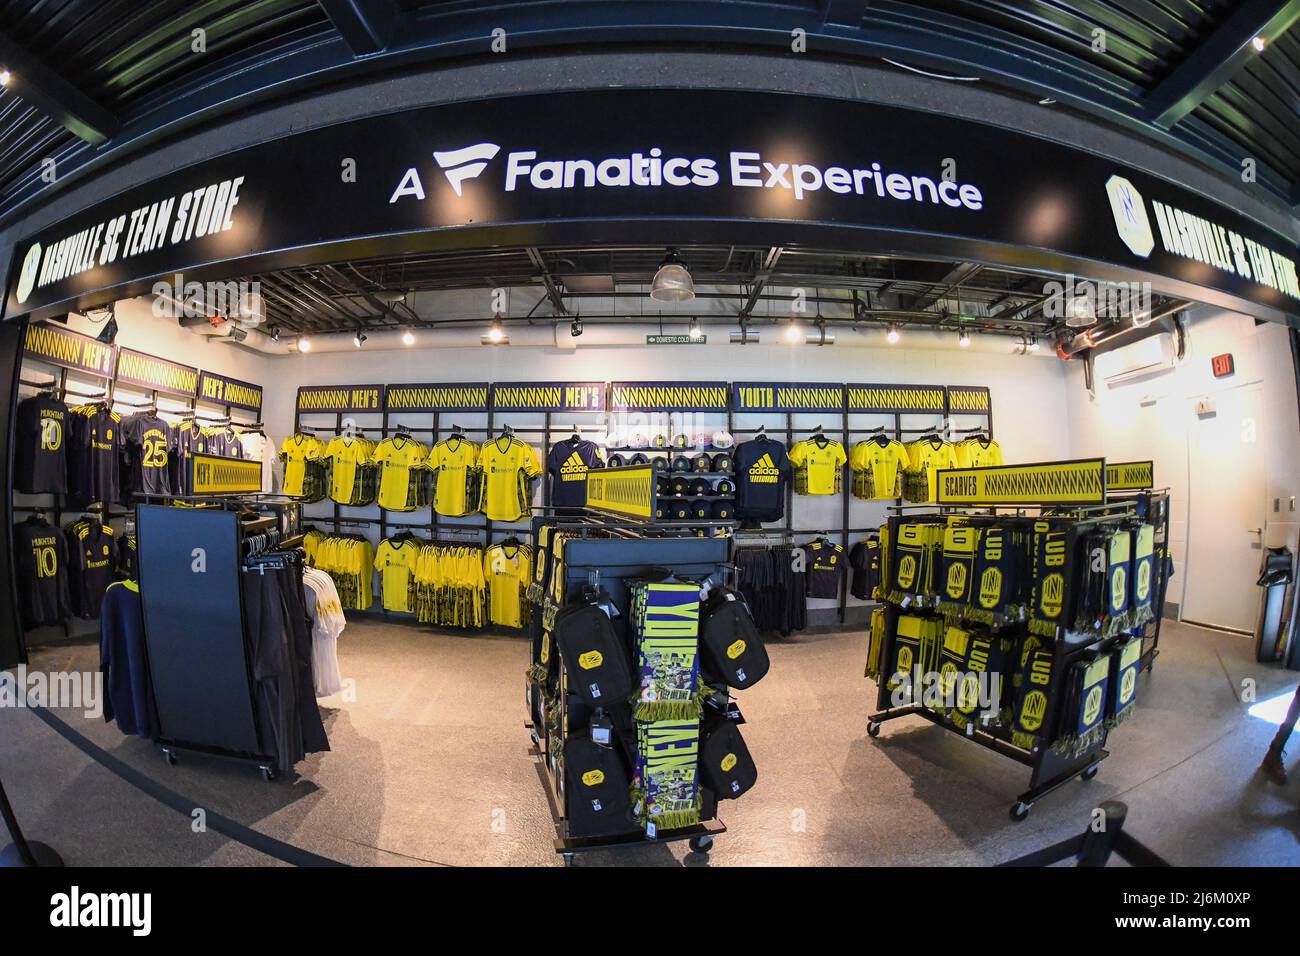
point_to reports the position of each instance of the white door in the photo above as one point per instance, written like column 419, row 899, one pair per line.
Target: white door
column 1226, row 513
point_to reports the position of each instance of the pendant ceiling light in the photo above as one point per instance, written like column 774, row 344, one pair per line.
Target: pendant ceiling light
column 672, row 283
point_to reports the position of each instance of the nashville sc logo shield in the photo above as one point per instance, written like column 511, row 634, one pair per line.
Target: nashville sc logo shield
column 1130, row 212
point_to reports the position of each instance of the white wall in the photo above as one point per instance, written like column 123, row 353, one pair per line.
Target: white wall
column 1155, row 419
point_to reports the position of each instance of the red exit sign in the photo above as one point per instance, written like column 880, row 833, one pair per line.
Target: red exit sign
column 1222, row 365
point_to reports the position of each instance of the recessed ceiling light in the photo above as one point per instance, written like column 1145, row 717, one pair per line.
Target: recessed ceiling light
column 1259, row 43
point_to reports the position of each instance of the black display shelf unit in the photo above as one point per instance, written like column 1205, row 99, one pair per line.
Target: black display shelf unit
column 1049, row 770
column 612, row 552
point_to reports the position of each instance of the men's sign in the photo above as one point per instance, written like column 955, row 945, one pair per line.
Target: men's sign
column 214, row 475
column 156, row 374
column 787, row 397
column 830, row 172
column 1130, row 475
column 1081, row 482
column 549, row 397
column 68, row 349
column 341, row 398
column 223, row 390
column 668, row 396
column 433, row 397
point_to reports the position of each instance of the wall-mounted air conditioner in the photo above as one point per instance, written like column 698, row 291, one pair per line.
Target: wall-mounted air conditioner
column 1138, row 362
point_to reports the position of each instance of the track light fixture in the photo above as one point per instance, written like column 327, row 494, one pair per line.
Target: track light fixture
column 575, row 328
column 496, row 333
column 5, row 77
column 793, row 334
column 359, row 339
column 892, row 336
column 304, row 344
column 695, row 331
column 963, row 339
column 408, row 337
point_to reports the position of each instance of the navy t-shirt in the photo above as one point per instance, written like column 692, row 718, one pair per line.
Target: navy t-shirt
column 762, row 470
column 568, row 464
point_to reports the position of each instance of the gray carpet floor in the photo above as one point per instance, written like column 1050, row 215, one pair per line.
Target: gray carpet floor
column 430, row 765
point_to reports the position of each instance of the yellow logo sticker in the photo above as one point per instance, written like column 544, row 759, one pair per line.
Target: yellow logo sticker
column 593, row 777
column 990, row 587
column 1053, row 595
column 591, row 659
column 736, row 649
column 1092, row 706
column 1035, row 706
column 728, row 762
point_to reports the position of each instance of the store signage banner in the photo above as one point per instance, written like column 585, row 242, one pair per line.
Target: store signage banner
column 969, row 400
column 1130, row 475
column 668, row 396
column 1081, row 482
column 68, row 349
column 223, row 390
column 434, row 397
column 629, row 490
column 341, row 398
column 156, row 374
column 896, row 399
column 787, row 397
column 214, row 475
column 549, row 397
column 476, row 173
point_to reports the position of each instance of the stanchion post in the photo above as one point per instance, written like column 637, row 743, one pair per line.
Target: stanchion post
column 1099, row 844
column 21, row 852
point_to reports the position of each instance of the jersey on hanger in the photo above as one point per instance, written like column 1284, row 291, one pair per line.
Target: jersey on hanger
column 95, row 436
column 187, row 440
column 146, row 438
column 975, row 453
column 41, row 557
column 878, row 469
column 568, row 464
column 395, row 561
column 296, row 451
column 864, row 562
column 507, row 569
column 396, row 457
column 927, row 457
column 762, row 469
column 93, row 554
column 346, row 453
column 508, row 465
column 817, row 466
column 453, row 459
column 222, row 441
column 41, row 446
column 824, row 568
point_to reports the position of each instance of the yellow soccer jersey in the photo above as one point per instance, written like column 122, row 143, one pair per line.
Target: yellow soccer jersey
column 507, row 463
column 296, row 451
column 974, row 453
column 395, row 561
column 345, row 455
column 452, row 459
column 927, row 457
column 817, row 466
column 507, row 569
column 881, row 466
column 396, row 457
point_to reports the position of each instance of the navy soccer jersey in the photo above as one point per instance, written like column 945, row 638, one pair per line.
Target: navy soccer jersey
column 41, row 446
column 762, row 470
column 146, row 439
column 568, row 464
column 41, row 557
column 95, row 446
column 92, row 551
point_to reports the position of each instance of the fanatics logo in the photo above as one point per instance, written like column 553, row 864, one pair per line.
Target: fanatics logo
column 1130, row 211
column 459, row 165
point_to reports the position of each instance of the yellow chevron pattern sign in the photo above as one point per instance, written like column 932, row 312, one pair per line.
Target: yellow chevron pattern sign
column 1130, row 475
column 229, row 391
column 896, row 399
column 669, row 396
column 629, row 490
column 464, row 397
column 214, row 475
column 968, row 399
column 1080, row 482
column 69, row 349
column 341, row 398
column 550, row 397
column 786, row 397
column 149, row 371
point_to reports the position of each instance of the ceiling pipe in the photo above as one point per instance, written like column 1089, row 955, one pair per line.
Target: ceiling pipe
column 625, row 335
column 1099, row 335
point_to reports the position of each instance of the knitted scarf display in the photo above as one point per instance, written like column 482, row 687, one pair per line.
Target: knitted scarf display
column 1055, row 587
column 1001, row 573
column 877, row 644
column 952, row 664
column 1030, row 714
column 957, row 577
column 665, row 624
column 913, row 561
column 1142, row 578
column 986, row 659
column 917, row 642
column 1090, row 604
column 1118, row 557
column 665, row 788
column 1125, row 662
column 1083, row 707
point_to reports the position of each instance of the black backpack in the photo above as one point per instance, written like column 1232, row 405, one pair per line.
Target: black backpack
column 596, row 788
column 725, row 765
column 730, row 646
column 595, row 659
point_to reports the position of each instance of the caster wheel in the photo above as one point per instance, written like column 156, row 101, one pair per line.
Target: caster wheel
column 701, row 844
column 1090, row 772
column 873, row 729
column 170, row 758
column 268, row 774
column 1020, row 811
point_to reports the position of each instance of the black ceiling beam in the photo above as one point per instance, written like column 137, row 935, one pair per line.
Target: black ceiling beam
column 1218, row 58
column 367, row 26
column 54, row 96
column 552, row 290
